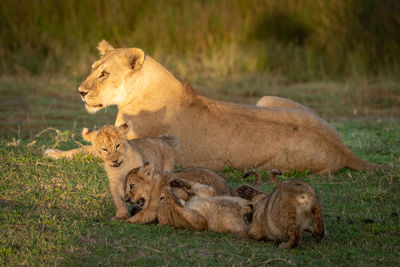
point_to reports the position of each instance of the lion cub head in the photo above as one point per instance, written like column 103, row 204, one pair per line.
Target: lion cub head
column 110, row 143
column 139, row 186
column 105, row 85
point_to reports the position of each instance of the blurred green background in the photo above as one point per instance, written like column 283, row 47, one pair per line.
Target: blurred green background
column 297, row 40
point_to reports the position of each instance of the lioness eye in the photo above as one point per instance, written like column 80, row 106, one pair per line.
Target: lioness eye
column 103, row 74
column 131, row 186
column 117, row 146
column 104, row 149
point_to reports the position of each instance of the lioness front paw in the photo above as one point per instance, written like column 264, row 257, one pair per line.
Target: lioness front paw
column 53, row 153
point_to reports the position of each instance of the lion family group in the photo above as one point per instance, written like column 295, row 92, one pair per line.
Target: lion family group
column 163, row 122
column 198, row 198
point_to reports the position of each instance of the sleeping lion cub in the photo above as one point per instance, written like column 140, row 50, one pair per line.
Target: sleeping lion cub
column 145, row 185
column 121, row 155
column 284, row 214
column 201, row 209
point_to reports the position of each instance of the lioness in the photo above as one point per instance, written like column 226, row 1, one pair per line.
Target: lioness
column 121, row 155
column 212, row 133
column 145, row 185
column 203, row 210
column 284, row 214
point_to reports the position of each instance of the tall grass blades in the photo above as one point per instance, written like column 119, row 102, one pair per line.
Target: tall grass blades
column 300, row 40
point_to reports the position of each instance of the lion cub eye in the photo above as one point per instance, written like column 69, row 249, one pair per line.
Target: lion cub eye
column 103, row 74
column 104, row 150
column 117, row 146
column 131, row 186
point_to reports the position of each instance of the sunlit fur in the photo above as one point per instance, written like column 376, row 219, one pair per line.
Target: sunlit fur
column 277, row 134
column 283, row 215
column 121, row 155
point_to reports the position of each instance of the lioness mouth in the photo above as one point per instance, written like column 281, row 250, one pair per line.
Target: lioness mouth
column 95, row 106
column 116, row 164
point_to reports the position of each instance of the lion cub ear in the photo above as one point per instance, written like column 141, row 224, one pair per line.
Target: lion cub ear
column 147, row 170
column 89, row 135
column 104, row 47
column 124, row 128
column 136, row 57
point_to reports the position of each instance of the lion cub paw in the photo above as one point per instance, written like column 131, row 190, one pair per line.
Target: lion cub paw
column 120, row 216
column 53, row 153
column 171, row 198
column 285, row 245
column 180, row 184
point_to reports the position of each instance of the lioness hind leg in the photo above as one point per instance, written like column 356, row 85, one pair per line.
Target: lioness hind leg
column 192, row 219
column 279, row 102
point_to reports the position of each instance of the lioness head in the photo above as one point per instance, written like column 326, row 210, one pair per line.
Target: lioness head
column 105, row 85
column 139, row 185
column 110, row 142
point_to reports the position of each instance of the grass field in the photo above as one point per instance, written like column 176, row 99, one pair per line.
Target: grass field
column 58, row 211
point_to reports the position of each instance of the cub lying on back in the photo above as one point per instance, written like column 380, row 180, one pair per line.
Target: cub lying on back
column 203, row 210
column 144, row 186
column 121, row 155
column 284, row 214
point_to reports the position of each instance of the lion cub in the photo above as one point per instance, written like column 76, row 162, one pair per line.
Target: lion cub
column 145, row 185
column 203, row 210
column 121, row 155
column 284, row 214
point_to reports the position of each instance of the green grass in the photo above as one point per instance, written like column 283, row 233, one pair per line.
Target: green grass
column 59, row 211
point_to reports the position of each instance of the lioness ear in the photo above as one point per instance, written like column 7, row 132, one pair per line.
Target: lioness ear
column 147, row 170
column 136, row 58
column 104, row 47
column 89, row 135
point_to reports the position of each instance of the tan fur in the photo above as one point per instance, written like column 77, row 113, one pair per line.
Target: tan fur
column 284, row 214
column 212, row 133
column 279, row 102
column 146, row 186
column 121, row 155
column 202, row 211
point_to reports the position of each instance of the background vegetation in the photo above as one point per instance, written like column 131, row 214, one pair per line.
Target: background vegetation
column 298, row 40
column 341, row 58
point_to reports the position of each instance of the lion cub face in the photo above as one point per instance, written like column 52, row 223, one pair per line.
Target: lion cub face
column 109, row 142
column 139, row 186
column 105, row 85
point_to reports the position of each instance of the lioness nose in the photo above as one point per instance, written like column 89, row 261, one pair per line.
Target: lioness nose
column 83, row 93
